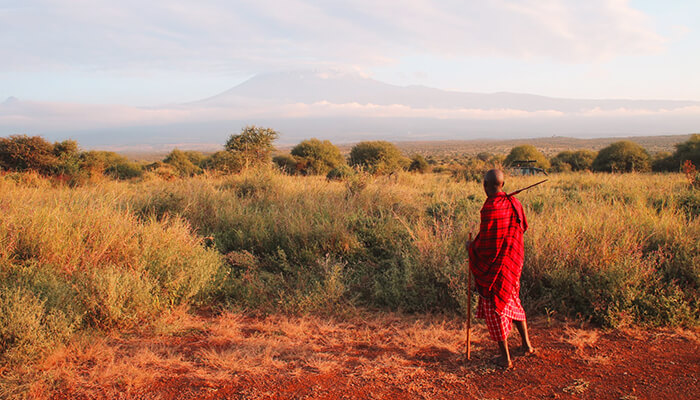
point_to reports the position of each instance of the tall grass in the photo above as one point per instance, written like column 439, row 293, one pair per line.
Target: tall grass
column 70, row 259
column 616, row 249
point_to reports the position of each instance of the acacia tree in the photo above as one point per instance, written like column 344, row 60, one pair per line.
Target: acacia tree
column 686, row 151
column 689, row 150
column 377, row 156
column 253, row 145
column 22, row 152
column 580, row 160
column 623, row 156
column 527, row 152
column 317, row 157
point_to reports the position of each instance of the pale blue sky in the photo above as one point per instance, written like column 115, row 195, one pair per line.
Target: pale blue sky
column 168, row 51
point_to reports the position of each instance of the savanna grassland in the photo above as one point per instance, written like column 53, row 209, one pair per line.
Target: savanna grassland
column 169, row 288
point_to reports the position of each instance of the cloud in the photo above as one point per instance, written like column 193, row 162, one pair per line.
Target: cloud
column 47, row 117
column 326, row 109
column 254, row 35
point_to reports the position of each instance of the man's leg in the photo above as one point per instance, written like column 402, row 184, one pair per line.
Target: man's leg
column 522, row 329
column 504, row 360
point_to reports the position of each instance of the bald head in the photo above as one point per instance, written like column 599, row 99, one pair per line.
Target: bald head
column 493, row 181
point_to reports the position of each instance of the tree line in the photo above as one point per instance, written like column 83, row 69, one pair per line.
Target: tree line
column 253, row 147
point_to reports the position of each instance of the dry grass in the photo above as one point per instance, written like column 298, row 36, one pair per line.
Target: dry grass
column 584, row 342
column 384, row 355
column 692, row 335
column 581, row 339
column 386, row 347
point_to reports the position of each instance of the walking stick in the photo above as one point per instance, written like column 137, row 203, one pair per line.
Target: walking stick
column 526, row 188
column 469, row 307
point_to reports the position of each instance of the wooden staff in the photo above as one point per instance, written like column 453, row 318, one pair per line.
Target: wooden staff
column 469, row 307
column 526, row 188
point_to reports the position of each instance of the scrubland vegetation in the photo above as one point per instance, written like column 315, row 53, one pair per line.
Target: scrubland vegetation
column 101, row 254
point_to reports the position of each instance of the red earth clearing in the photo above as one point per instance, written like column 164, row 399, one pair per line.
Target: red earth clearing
column 374, row 356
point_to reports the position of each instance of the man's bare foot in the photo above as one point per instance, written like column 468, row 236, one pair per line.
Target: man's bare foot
column 526, row 351
column 502, row 362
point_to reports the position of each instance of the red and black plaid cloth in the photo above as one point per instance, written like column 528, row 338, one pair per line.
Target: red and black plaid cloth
column 499, row 325
column 496, row 255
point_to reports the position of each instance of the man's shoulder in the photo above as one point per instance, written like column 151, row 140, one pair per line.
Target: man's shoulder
column 515, row 200
column 498, row 201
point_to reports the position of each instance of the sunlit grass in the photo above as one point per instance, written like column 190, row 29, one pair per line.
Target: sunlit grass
column 615, row 249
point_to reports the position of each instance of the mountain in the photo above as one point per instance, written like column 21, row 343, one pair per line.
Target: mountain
column 342, row 88
column 346, row 107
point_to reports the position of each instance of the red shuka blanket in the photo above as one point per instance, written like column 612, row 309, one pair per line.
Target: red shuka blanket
column 496, row 255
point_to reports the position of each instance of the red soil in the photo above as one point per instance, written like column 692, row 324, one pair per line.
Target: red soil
column 570, row 363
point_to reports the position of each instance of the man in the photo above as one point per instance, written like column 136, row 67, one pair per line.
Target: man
column 496, row 260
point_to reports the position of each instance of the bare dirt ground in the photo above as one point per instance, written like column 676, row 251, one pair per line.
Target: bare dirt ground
column 373, row 356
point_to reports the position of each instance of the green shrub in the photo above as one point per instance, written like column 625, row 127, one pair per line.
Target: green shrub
column 580, row 160
column 418, row 164
column 688, row 150
column 253, row 146
column 286, row 163
column 472, row 170
column 225, row 162
column 377, row 157
column 124, row 171
column 527, row 152
column 67, row 157
column 110, row 164
column 317, row 157
column 24, row 153
column 664, row 161
column 72, row 259
column 27, row 328
column 196, row 158
column 182, row 163
column 340, row 173
column 623, row 156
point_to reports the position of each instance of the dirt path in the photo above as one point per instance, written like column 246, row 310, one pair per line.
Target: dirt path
column 372, row 357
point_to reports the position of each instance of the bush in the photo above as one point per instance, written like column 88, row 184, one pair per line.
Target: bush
column 527, row 152
column 253, row 146
column 73, row 258
column 623, row 156
column 340, row 173
column 418, row 164
column 225, row 162
column 67, row 157
column 484, row 156
column 182, row 163
column 580, row 160
column 286, row 163
column 124, row 171
column 664, row 161
column 688, row 150
column 196, row 157
column 377, row 157
column 23, row 153
column 471, row 170
column 27, row 326
column 317, row 157
column 558, row 165
column 111, row 164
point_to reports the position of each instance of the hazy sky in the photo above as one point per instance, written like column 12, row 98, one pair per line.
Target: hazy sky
column 166, row 51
